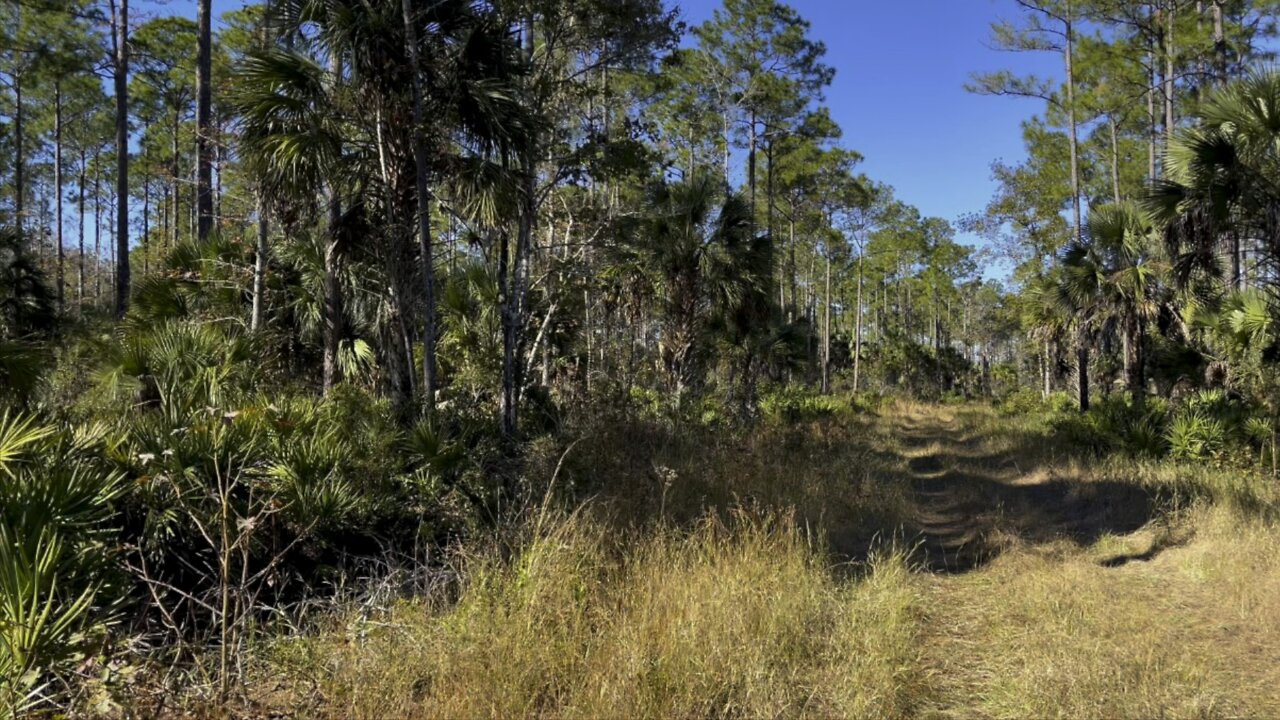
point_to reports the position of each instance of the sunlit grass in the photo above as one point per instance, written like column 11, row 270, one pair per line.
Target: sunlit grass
column 661, row 612
column 738, row 619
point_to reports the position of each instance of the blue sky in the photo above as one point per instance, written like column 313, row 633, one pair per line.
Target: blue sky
column 901, row 67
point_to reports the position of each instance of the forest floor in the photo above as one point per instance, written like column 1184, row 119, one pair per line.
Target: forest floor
column 1020, row 581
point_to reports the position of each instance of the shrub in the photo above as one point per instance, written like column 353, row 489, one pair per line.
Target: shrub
column 1117, row 424
column 1023, row 401
column 1195, row 435
column 57, row 585
column 790, row 404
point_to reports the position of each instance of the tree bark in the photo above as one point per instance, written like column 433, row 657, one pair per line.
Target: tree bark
column 1071, row 120
column 1169, row 121
column 1115, row 160
column 1046, row 369
column 121, row 80
column 826, row 331
column 1219, row 43
column 97, row 228
column 1082, row 369
column 80, row 260
column 260, row 268
column 57, row 190
column 512, row 277
column 331, row 371
column 857, row 336
column 177, row 170
column 1152, row 121
column 19, row 162
column 425, row 248
column 204, row 125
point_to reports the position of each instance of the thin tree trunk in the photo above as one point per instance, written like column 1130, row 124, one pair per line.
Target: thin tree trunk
column 826, row 331
column 1169, row 47
column 425, row 248
column 204, row 124
column 146, row 219
column 1082, row 369
column 1152, row 121
column 791, row 250
column 1115, row 160
column 857, row 336
column 19, row 162
column 513, row 305
column 260, row 268
column 1237, row 278
column 331, row 371
column 751, row 168
column 1071, row 121
column 80, row 259
column 57, row 191
column 1046, row 368
column 173, row 181
column 1219, row 43
column 97, row 228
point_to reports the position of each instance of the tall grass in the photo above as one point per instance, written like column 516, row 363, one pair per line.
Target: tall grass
column 661, row 597
column 737, row 618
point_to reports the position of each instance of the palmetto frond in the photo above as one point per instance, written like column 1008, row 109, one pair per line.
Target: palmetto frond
column 289, row 135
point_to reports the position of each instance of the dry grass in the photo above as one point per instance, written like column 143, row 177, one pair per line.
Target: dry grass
column 745, row 614
column 740, row 619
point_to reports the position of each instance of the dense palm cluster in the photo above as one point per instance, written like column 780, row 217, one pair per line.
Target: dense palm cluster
column 321, row 284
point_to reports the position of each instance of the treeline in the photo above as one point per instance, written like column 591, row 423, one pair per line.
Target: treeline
column 320, row 280
column 1139, row 226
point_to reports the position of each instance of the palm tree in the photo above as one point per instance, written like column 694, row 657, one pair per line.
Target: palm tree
column 1114, row 277
column 1222, row 179
column 1047, row 323
column 356, row 127
column 291, row 141
column 693, row 247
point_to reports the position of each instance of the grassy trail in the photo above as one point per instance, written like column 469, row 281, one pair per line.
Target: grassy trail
column 1053, row 593
column 1035, row 585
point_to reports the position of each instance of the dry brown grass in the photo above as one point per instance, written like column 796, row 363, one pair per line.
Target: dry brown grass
column 745, row 614
column 742, row 619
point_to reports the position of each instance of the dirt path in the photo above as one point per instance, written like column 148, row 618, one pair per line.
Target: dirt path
column 1051, row 592
column 974, row 495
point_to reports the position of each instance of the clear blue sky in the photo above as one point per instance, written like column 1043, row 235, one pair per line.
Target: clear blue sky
column 901, row 67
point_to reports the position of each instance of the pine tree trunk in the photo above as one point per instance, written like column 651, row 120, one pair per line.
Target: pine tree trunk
column 1152, row 119
column 826, row 330
column 1115, row 159
column 425, row 248
column 19, row 162
column 515, row 275
column 1219, row 43
column 57, row 191
column 1082, row 369
column 97, row 228
column 80, row 258
column 1169, row 47
column 791, row 249
column 751, row 168
column 204, row 125
column 173, row 181
column 857, row 335
column 331, row 371
column 260, row 268
column 1071, row 121
column 1046, row 368
column 146, row 220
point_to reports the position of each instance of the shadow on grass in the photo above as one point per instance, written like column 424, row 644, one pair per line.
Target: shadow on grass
column 974, row 495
